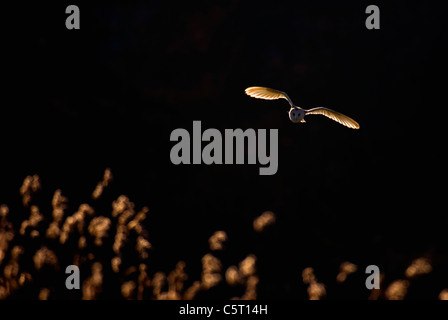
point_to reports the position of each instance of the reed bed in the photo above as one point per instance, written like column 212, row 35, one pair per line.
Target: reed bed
column 113, row 252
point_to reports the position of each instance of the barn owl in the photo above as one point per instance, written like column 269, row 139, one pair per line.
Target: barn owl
column 297, row 114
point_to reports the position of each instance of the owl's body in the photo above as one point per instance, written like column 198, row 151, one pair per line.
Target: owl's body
column 297, row 114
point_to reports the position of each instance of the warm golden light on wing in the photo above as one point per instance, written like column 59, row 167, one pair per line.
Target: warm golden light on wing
column 334, row 115
column 267, row 94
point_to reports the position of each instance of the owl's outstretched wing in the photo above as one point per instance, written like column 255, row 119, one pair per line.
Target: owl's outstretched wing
column 333, row 115
column 267, row 94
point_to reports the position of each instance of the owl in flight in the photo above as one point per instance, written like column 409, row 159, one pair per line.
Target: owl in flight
column 297, row 114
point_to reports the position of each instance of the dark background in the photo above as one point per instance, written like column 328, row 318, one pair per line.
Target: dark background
column 108, row 95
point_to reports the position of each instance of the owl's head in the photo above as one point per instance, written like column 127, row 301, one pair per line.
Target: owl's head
column 296, row 115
